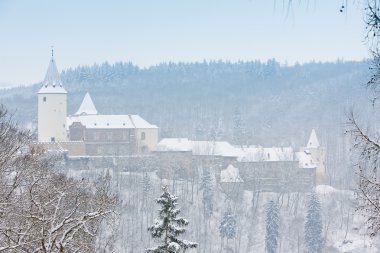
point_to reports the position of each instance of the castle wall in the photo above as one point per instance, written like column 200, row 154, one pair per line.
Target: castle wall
column 105, row 142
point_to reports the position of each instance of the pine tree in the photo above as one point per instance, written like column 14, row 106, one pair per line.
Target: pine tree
column 146, row 189
column 272, row 227
column 238, row 129
column 227, row 227
column 169, row 226
column 208, row 193
column 313, row 226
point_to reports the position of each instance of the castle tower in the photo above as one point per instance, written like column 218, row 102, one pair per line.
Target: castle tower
column 318, row 156
column 52, row 107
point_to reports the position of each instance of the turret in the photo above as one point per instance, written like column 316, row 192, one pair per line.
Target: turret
column 52, row 107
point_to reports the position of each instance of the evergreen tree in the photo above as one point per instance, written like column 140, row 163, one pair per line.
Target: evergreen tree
column 169, row 226
column 146, row 184
column 227, row 227
column 238, row 129
column 146, row 189
column 272, row 227
column 208, row 193
column 313, row 226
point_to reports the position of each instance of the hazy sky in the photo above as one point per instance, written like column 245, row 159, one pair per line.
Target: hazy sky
column 147, row 32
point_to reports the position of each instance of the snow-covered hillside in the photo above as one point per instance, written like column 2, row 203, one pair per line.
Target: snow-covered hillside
column 343, row 227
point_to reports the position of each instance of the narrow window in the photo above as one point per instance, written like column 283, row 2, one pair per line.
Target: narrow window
column 44, row 99
column 143, row 136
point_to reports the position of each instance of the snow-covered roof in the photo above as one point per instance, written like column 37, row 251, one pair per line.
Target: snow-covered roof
column 204, row 148
column 174, row 144
column 87, row 107
column 217, row 148
column 305, row 160
column 225, row 149
column 313, row 140
column 325, row 189
column 257, row 153
column 52, row 83
column 110, row 121
column 230, row 175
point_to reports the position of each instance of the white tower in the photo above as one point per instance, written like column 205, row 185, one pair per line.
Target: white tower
column 52, row 107
column 318, row 156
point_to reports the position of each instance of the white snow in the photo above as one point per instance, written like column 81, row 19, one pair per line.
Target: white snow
column 325, row 189
column 174, row 144
column 202, row 148
column 225, row 149
column 217, row 148
column 230, row 175
column 257, row 153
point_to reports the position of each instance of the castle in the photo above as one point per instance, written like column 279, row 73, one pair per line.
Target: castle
column 90, row 139
column 87, row 132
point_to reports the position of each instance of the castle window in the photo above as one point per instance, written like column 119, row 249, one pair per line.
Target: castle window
column 52, row 139
column 143, row 136
column 44, row 99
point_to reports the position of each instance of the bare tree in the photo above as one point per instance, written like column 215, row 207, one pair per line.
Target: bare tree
column 367, row 152
column 42, row 210
column 366, row 138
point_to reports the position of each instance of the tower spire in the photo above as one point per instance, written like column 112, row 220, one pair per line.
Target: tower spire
column 52, row 78
column 52, row 51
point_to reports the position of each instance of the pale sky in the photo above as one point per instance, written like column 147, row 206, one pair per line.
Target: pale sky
column 147, row 32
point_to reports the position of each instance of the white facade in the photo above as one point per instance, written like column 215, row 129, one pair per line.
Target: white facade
column 52, row 107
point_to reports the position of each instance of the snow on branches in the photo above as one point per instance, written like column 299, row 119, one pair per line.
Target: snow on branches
column 168, row 227
column 42, row 210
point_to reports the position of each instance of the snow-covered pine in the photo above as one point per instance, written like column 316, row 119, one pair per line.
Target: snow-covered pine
column 227, row 227
column 146, row 185
column 314, row 241
column 168, row 227
column 272, row 227
column 238, row 129
column 206, row 186
column 146, row 190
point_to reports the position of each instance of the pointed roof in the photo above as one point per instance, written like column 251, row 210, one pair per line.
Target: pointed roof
column 87, row 107
column 313, row 140
column 52, row 82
